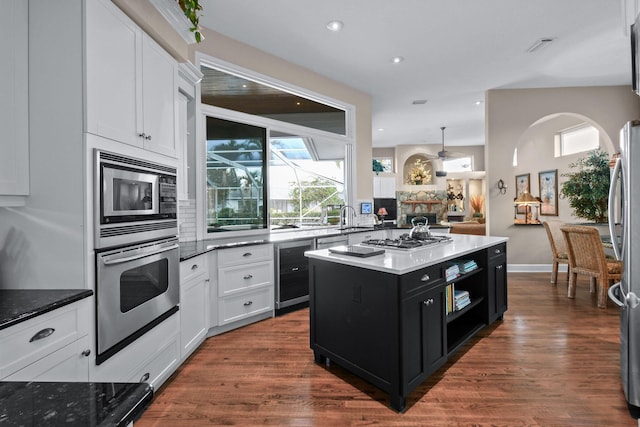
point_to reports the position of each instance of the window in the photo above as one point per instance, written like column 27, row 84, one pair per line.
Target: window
column 235, row 157
column 576, row 140
column 458, row 164
column 306, row 181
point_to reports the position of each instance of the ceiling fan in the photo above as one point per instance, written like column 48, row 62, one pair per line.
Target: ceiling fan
column 444, row 154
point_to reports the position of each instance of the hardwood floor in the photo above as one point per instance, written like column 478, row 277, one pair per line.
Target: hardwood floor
column 552, row 361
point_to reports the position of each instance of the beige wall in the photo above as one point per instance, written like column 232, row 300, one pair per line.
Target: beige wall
column 509, row 115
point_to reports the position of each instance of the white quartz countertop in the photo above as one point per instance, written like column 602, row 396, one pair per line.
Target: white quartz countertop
column 399, row 261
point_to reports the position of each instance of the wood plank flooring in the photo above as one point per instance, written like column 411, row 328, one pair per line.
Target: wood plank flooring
column 552, row 361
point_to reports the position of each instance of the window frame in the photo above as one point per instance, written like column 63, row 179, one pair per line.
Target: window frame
column 204, row 110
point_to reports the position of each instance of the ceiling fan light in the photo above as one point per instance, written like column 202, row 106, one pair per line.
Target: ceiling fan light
column 335, row 25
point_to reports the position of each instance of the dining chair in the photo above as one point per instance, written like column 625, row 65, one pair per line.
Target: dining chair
column 586, row 256
column 558, row 247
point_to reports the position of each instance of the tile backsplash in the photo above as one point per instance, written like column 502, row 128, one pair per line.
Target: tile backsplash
column 187, row 219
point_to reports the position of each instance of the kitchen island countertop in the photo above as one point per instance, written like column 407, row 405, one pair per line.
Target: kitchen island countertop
column 398, row 261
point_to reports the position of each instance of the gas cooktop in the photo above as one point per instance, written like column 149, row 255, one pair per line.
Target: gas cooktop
column 405, row 242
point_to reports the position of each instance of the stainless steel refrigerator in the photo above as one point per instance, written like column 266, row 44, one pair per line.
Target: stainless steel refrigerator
column 624, row 227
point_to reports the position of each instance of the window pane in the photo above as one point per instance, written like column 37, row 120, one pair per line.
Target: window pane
column 235, row 172
column 459, row 164
column 306, row 181
column 577, row 140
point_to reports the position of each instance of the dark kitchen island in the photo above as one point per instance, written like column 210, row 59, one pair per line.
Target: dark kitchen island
column 388, row 318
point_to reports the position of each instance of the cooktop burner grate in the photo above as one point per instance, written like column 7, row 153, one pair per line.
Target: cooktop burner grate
column 407, row 243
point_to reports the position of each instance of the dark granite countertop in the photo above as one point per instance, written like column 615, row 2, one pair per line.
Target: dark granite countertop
column 72, row 404
column 194, row 248
column 18, row 305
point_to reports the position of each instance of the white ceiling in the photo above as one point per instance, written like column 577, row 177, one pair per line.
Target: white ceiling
column 454, row 50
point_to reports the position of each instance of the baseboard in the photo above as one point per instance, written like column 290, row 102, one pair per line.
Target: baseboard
column 534, row 268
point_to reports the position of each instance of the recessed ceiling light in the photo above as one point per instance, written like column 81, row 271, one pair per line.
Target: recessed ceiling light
column 335, row 25
column 380, row 129
column 397, row 59
column 479, row 102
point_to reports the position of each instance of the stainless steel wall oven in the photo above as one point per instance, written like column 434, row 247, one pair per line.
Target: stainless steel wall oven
column 137, row 287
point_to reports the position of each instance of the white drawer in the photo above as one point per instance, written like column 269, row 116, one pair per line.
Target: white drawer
column 244, row 254
column 164, row 362
column 237, row 307
column 132, row 362
column 244, row 277
column 31, row 340
column 193, row 268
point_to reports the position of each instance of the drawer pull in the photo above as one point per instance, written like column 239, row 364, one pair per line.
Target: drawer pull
column 425, row 278
column 247, row 254
column 248, row 303
column 497, row 251
column 145, row 377
column 194, row 267
column 428, row 302
column 295, row 269
column 86, row 353
column 499, row 267
column 248, row 276
column 42, row 334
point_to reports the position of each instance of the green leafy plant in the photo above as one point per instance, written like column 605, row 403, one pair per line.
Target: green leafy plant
column 587, row 189
column 376, row 166
column 191, row 9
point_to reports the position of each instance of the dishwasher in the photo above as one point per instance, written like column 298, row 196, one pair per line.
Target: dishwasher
column 292, row 275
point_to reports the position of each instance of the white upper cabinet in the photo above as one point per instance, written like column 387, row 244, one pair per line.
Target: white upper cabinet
column 384, row 187
column 131, row 82
column 14, row 105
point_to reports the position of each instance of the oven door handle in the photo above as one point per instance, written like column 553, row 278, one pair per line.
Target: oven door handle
column 135, row 257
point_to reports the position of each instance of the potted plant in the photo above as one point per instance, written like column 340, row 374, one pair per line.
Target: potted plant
column 476, row 202
column 191, row 9
column 587, row 189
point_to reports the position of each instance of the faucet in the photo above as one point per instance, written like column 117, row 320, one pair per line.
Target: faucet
column 343, row 209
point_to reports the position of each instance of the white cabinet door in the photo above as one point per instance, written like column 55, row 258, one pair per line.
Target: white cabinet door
column 194, row 304
column 14, row 97
column 384, row 187
column 159, row 89
column 114, row 92
column 131, row 82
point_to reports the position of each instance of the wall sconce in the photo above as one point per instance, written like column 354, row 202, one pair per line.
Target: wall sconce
column 502, row 187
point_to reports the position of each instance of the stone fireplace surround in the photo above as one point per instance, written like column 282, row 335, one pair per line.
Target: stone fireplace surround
column 406, row 211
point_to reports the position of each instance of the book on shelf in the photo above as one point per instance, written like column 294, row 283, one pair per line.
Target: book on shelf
column 452, row 271
column 456, row 299
column 468, row 265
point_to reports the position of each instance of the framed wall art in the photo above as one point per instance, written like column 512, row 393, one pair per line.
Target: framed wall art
column 522, row 185
column 548, row 182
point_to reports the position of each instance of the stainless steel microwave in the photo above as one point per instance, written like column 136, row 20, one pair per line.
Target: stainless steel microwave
column 136, row 200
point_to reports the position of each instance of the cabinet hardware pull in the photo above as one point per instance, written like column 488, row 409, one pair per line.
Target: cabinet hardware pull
column 497, row 251
column 247, row 254
column 207, row 280
column 248, row 276
column 248, row 303
column 86, row 353
column 148, row 137
column 194, row 267
column 499, row 266
column 425, row 278
column 295, row 269
column 428, row 302
column 145, row 377
column 42, row 334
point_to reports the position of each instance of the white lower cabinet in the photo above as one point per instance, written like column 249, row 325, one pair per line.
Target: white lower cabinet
column 194, row 304
column 152, row 358
column 244, row 289
column 51, row 347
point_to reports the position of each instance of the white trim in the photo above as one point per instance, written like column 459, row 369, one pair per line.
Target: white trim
column 534, row 268
column 174, row 15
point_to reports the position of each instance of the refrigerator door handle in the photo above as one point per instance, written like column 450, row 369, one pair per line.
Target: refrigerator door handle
column 617, row 170
column 613, row 297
